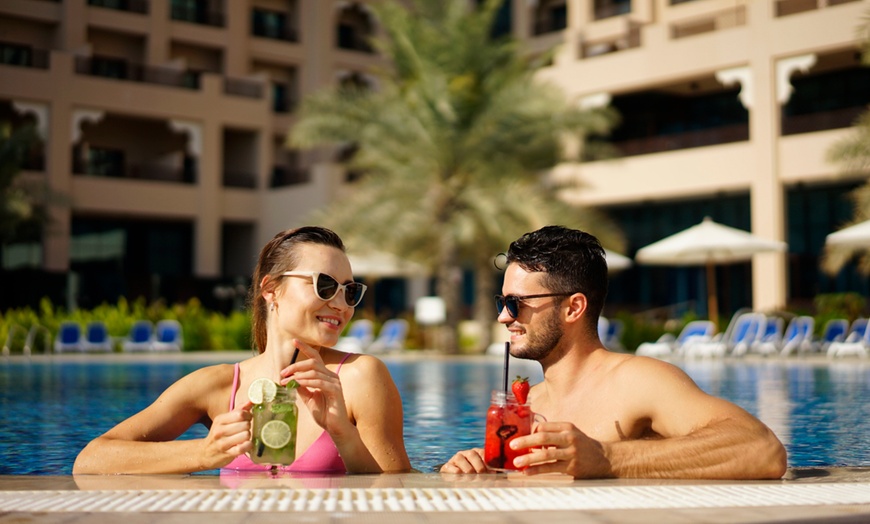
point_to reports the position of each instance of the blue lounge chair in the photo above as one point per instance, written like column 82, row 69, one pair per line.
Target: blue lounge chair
column 167, row 336
column 391, row 338
column 836, row 330
column 667, row 344
column 69, row 337
column 857, row 343
column 798, row 336
column 360, row 334
column 612, row 338
column 738, row 338
column 771, row 339
column 97, row 337
column 140, row 337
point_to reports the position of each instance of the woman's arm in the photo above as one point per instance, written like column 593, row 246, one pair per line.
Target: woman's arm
column 145, row 442
column 376, row 408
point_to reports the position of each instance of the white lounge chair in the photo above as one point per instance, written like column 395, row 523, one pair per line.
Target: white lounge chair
column 391, row 337
column 856, row 344
column 741, row 333
column 836, row 330
column 798, row 336
column 140, row 338
column 69, row 337
column 667, row 344
column 168, row 336
column 97, row 337
column 360, row 334
column 771, row 339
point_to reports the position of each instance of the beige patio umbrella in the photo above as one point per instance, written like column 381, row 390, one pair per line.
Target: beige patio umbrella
column 856, row 236
column 616, row 261
column 707, row 244
column 377, row 264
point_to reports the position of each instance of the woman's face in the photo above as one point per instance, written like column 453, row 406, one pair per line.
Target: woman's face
column 300, row 312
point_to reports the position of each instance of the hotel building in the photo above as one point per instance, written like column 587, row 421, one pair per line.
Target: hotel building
column 164, row 126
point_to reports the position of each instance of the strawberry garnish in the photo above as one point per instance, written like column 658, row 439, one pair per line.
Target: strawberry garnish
column 520, row 386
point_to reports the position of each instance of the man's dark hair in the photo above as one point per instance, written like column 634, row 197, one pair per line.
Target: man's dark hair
column 573, row 262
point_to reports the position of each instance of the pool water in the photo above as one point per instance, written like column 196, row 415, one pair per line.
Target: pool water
column 50, row 409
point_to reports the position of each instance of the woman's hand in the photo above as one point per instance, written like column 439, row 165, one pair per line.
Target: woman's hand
column 469, row 461
column 229, row 437
column 320, row 390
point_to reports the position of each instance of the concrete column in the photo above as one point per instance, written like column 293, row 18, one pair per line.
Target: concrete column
column 157, row 45
column 766, row 192
column 521, row 12
column 318, row 35
column 238, row 20
column 72, row 36
column 207, row 225
column 58, row 169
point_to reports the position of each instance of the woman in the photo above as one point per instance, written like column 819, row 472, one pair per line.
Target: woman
column 302, row 297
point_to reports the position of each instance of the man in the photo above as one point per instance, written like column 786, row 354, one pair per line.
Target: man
column 609, row 414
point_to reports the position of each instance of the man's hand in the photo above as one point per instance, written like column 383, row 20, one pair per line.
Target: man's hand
column 559, row 447
column 469, row 461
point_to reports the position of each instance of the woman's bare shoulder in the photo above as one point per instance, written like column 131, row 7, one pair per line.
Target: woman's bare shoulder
column 207, row 379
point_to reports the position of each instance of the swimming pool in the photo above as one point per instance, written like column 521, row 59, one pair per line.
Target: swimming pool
column 50, row 408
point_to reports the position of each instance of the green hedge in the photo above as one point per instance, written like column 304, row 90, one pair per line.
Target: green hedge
column 202, row 329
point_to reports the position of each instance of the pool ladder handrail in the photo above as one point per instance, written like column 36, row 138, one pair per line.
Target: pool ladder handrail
column 31, row 338
column 28, row 340
column 9, row 336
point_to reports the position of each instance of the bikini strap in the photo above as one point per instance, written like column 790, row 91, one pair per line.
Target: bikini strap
column 338, row 369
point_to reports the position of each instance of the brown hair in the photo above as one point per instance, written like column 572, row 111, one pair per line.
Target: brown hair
column 277, row 256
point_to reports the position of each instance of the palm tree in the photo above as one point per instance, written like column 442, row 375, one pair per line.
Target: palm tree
column 452, row 144
column 853, row 154
column 18, row 206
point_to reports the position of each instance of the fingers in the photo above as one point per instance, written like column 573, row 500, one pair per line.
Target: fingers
column 470, row 461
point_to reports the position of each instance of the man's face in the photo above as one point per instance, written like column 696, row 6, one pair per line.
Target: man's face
column 537, row 329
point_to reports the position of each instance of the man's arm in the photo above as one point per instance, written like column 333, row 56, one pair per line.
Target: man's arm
column 696, row 435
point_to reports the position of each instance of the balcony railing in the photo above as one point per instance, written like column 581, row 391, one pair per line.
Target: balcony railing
column 793, row 7
column 289, row 176
column 113, row 165
column 240, row 179
column 23, row 56
column 123, row 70
column 197, row 15
column 132, row 6
column 607, row 9
column 684, row 140
column 272, row 25
column 243, row 87
column 821, row 121
column 551, row 20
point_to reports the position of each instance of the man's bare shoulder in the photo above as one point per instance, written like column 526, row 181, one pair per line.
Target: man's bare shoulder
column 640, row 370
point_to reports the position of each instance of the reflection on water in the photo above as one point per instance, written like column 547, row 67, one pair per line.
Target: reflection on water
column 820, row 412
column 49, row 411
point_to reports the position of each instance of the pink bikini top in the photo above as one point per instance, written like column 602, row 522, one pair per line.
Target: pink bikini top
column 322, row 456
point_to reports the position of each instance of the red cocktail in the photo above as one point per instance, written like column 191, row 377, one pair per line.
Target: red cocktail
column 505, row 421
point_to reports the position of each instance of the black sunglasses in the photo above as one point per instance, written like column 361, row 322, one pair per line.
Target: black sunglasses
column 512, row 302
column 326, row 287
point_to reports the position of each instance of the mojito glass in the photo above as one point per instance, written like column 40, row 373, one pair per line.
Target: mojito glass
column 274, row 427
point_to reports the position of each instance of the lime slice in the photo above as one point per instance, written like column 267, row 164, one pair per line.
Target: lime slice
column 262, row 390
column 275, row 434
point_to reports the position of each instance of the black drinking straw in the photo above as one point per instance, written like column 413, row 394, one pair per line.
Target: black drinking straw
column 295, row 354
column 507, row 354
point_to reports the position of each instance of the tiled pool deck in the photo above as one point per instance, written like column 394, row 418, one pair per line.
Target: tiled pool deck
column 804, row 495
